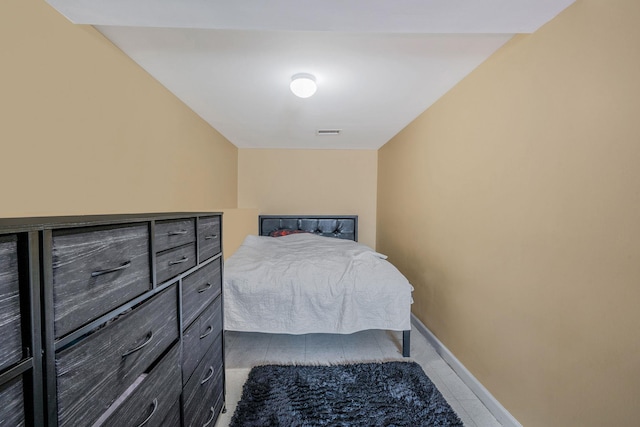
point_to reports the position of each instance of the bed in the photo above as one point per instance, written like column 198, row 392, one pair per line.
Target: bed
column 313, row 278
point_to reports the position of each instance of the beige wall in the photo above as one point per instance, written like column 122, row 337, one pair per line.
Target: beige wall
column 237, row 224
column 85, row 130
column 520, row 190
column 311, row 182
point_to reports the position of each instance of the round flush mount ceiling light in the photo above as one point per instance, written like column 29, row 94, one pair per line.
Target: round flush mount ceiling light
column 303, row 85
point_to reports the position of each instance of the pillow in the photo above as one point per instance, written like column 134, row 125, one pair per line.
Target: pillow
column 285, row 232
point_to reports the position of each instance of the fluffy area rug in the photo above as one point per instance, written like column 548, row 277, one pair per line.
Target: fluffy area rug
column 365, row 394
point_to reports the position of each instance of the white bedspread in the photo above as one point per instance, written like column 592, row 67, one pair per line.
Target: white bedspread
column 304, row 283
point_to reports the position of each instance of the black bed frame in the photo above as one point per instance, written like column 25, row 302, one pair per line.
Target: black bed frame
column 337, row 226
column 341, row 227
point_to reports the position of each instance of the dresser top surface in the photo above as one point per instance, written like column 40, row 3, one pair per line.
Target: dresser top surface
column 10, row 225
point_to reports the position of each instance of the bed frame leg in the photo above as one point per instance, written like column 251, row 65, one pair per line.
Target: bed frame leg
column 406, row 343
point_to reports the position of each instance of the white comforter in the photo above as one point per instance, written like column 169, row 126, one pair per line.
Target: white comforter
column 304, row 283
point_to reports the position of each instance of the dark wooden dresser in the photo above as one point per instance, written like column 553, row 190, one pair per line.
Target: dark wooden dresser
column 111, row 320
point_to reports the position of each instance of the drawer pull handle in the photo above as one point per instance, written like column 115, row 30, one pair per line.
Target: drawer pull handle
column 133, row 350
column 207, row 332
column 206, row 288
column 213, row 414
column 178, row 233
column 111, row 270
column 153, row 411
column 180, row 261
column 209, row 375
column 213, row 236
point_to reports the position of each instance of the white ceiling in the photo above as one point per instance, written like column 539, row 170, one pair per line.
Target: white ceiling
column 378, row 63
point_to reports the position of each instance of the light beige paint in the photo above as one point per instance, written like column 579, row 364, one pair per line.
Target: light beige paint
column 86, row 131
column 238, row 223
column 513, row 206
column 311, row 182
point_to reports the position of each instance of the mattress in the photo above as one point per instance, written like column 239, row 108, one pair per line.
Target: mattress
column 303, row 283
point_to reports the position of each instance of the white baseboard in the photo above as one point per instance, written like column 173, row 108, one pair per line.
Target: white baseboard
column 496, row 409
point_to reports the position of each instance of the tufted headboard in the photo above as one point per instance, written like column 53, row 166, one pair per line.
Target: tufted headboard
column 339, row 226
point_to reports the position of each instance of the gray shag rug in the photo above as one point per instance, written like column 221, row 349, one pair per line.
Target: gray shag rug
column 365, row 394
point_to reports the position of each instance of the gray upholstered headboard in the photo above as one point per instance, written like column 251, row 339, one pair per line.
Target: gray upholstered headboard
column 339, row 226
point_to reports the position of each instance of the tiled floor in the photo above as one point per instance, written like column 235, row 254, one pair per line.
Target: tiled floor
column 245, row 350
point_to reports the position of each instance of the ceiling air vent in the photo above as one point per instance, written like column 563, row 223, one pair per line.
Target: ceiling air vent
column 328, row 132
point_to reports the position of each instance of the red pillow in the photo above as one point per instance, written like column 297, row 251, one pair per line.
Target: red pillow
column 285, row 232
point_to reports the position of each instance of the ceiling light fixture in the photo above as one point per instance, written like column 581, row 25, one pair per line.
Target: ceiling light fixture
column 303, row 85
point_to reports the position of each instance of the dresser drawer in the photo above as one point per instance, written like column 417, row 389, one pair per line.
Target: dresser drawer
column 204, row 388
column 153, row 398
column 173, row 233
column 210, row 409
column 199, row 289
column 214, row 411
column 11, row 342
column 200, row 336
column 175, row 261
column 206, row 406
column 208, row 237
column 94, row 372
column 11, row 403
column 96, row 271
column 172, row 419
